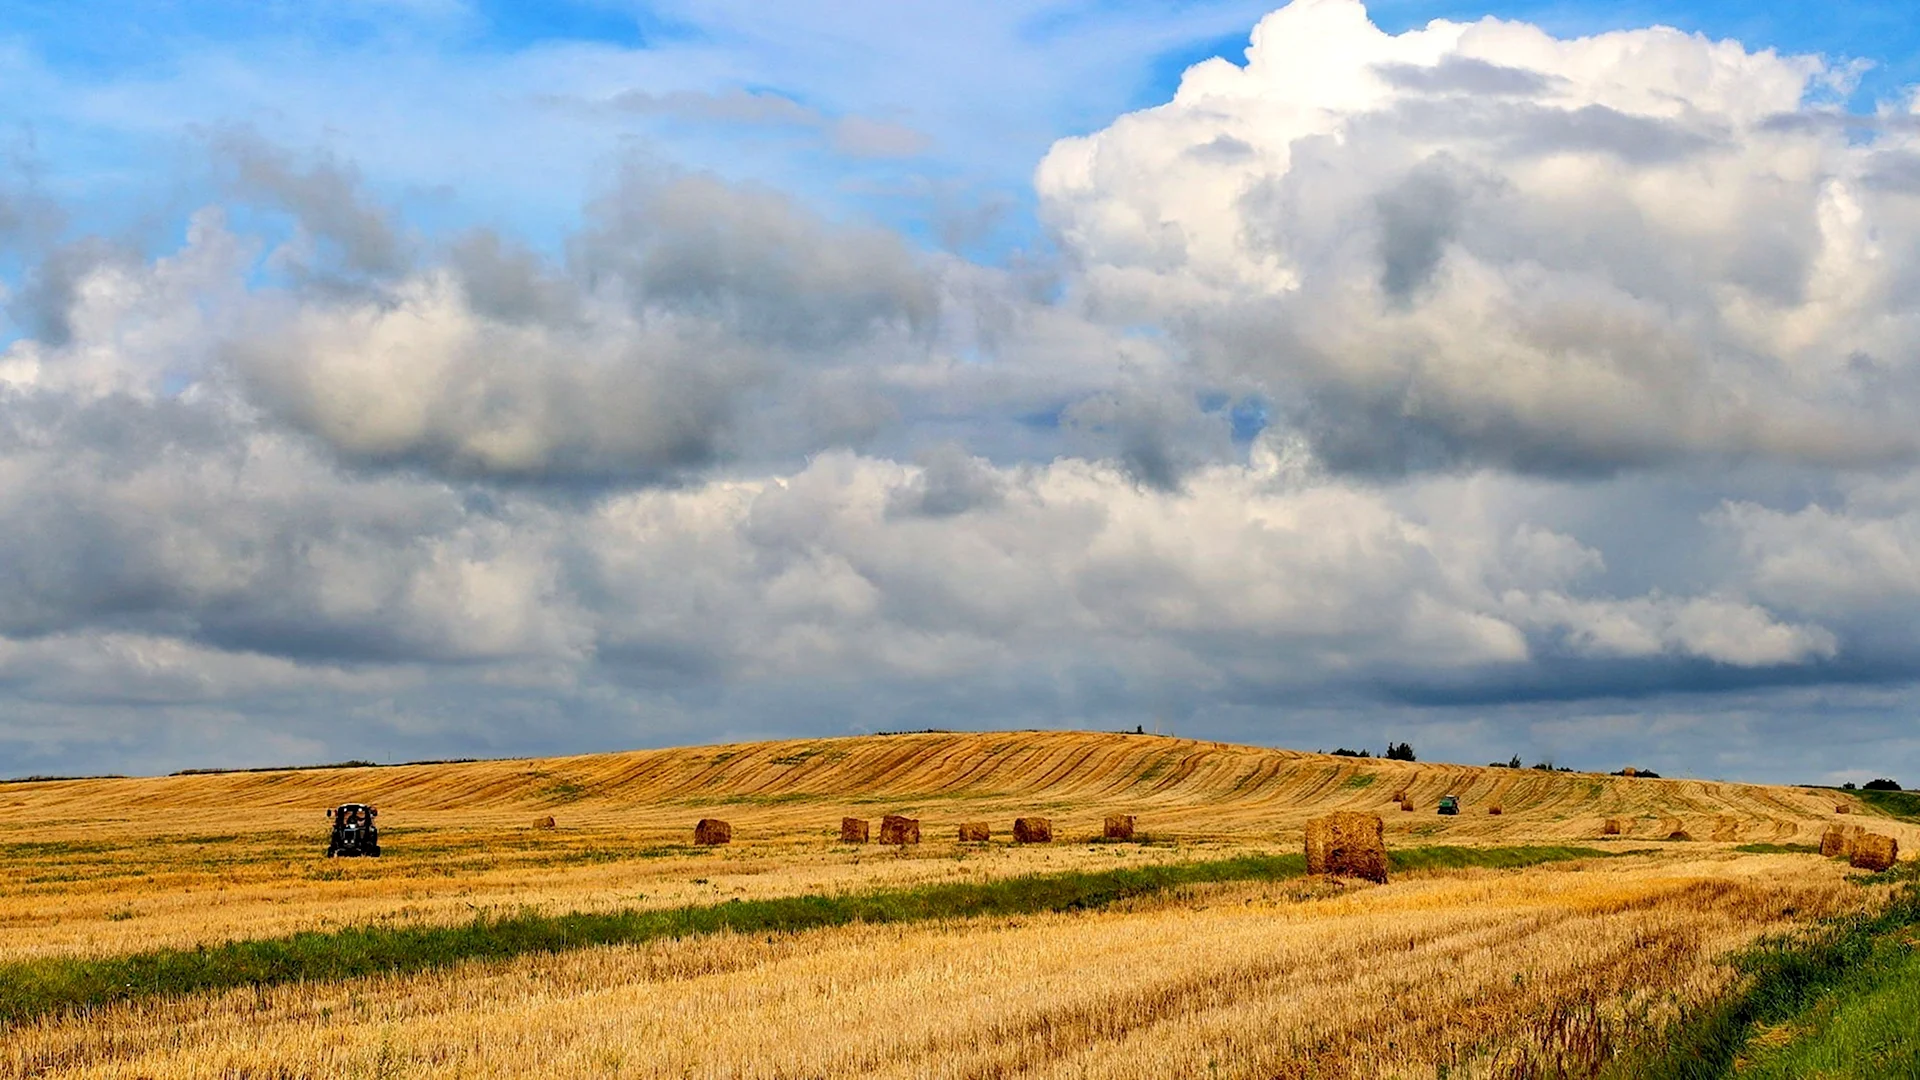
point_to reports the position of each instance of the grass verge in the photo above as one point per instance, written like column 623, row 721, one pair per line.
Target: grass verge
column 39, row 987
column 1838, row 1002
column 1903, row 805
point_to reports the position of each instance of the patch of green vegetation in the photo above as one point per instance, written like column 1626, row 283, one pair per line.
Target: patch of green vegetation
column 798, row 757
column 564, row 791
column 1904, row 805
column 1845, row 994
column 1500, row 858
column 1778, row 849
column 37, row 987
column 1361, row 780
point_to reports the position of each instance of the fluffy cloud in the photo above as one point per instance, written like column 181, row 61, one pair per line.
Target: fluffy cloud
column 1475, row 243
column 1280, row 445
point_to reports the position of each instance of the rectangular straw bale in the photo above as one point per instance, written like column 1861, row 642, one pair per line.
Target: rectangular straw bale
column 1837, row 841
column 1119, row 827
column 544, row 823
column 1347, row 845
column 1872, row 851
column 853, row 830
column 895, row 829
column 712, row 831
column 1843, row 808
column 975, row 832
column 1032, row 830
column 1613, row 826
column 1496, row 809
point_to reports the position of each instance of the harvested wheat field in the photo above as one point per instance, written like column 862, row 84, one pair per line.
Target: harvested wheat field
column 1247, row 973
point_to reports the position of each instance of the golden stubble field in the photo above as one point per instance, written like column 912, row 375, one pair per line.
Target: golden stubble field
column 1305, row 978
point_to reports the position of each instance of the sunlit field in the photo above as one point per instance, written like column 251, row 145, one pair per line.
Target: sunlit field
column 1480, row 972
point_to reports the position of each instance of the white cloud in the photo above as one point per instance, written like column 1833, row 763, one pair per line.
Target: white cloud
column 1475, row 242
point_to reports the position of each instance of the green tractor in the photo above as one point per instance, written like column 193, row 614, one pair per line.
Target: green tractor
column 1449, row 805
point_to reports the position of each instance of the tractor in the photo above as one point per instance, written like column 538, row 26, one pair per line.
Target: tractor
column 354, row 832
column 1449, row 804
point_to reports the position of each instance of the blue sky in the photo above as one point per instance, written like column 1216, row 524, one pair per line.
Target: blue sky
column 519, row 378
column 446, row 104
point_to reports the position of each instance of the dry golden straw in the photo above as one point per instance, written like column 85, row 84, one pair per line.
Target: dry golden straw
column 1872, row 851
column 895, row 829
column 1837, row 841
column 1032, row 830
column 1347, row 844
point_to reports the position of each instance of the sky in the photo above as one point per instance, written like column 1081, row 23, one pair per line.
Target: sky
column 406, row 379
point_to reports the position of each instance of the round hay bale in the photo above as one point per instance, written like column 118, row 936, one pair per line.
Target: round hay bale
column 1843, row 808
column 1496, row 810
column 1837, row 841
column 1613, row 826
column 975, row 832
column 712, row 831
column 853, row 830
column 1872, row 851
column 1032, row 830
column 544, row 823
column 895, row 829
column 1348, row 845
column 1679, row 834
column 1406, row 806
column 1118, row 827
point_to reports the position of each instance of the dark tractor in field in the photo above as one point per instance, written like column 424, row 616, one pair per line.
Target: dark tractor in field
column 1449, row 804
column 354, row 832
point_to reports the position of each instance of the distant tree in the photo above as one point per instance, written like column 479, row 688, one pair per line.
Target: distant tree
column 1344, row 752
column 1515, row 763
column 1882, row 784
column 1848, row 786
column 1400, row 752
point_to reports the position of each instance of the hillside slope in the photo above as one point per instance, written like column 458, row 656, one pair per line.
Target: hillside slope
column 797, row 788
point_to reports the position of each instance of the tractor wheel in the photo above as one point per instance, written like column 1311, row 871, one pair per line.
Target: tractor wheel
column 375, row 853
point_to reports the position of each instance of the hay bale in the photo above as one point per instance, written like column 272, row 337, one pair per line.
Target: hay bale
column 1843, row 808
column 1837, row 841
column 1872, row 851
column 1406, row 806
column 712, row 831
column 1629, row 772
column 544, row 823
column 1496, row 809
column 1032, row 830
column 895, row 829
column 1613, row 826
column 1118, row 827
column 853, row 830
column 1679, row 834
column 1347, row 845
column 975, row 832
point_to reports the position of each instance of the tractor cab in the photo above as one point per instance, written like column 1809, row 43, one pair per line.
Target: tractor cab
column 1449, row 804
column 354, row 832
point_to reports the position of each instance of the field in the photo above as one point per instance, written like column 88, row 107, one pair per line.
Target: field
column 1192, row 952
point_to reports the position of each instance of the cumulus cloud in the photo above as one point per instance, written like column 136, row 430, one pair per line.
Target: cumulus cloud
column 1463, row 369
column 1474, row 243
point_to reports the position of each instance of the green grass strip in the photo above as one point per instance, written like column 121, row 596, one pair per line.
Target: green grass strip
column 1839, row 969
column 38, row 987
column 1902, row 805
